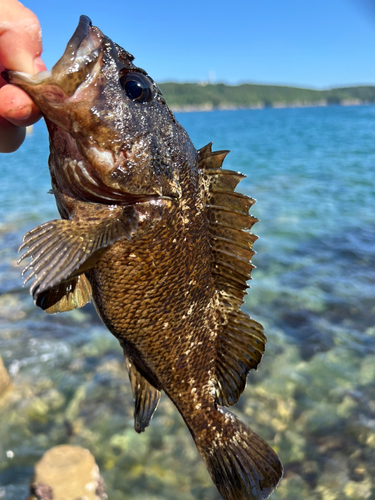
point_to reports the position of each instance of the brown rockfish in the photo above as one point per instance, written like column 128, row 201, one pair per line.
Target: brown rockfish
column 153, row 231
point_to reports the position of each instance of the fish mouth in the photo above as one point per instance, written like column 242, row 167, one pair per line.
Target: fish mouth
column 86, row 144
column 81, row 56
column 77, row 38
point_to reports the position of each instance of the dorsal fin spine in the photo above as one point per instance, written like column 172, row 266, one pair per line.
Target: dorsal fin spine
column 228, row 254
column 233, row 279
column 205, row 150
column 226, row 226
column 231, row 210
column 235, row 243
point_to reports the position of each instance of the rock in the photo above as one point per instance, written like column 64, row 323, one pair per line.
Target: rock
column 67, row 473
column 4, row 378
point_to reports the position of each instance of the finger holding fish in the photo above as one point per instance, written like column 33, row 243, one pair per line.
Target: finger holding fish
column 20, row 49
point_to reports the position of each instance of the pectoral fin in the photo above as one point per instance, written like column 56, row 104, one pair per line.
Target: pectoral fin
column 63, row 249
column 146, row 397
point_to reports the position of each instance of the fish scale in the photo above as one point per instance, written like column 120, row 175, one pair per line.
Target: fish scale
column 165, row 293
column 154, row 233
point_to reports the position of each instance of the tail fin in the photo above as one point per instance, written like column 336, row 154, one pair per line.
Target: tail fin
column 241, row 464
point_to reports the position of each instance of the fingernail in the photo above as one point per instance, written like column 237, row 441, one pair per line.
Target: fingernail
column 39, row 65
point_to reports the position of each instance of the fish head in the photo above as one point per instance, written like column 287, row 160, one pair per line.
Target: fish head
column 112, row 136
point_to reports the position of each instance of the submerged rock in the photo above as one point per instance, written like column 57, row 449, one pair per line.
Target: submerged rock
column 4, row 378
column 67, row 473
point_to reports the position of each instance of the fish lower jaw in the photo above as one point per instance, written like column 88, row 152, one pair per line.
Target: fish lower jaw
column 20, row 78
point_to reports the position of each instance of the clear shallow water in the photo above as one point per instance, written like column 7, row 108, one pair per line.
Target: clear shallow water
column 312, row 171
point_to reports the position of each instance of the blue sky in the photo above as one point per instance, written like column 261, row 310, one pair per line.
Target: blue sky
column 314, row 43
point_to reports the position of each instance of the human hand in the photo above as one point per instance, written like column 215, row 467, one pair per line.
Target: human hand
column 20, row 49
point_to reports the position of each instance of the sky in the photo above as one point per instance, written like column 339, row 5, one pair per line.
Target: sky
column 303, row 43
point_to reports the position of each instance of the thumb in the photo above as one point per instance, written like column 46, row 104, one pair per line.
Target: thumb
column 20, row 38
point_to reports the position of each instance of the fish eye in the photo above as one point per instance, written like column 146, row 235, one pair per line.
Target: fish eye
column 137, row 87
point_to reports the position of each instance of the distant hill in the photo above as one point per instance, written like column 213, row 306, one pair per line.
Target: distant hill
column 192, row 96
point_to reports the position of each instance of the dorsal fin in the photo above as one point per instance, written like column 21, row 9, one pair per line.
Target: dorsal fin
column 241, row 342
column 202, row 152
column 210, row 159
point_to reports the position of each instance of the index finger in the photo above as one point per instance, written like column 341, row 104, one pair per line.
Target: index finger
column 20, row 49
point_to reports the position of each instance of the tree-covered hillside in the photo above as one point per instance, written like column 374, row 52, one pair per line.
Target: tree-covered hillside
column 221, row 96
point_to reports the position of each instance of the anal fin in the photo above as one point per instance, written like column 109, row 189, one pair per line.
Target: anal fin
column 146, row 397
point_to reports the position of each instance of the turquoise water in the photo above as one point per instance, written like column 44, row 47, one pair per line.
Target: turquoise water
column 312, row 172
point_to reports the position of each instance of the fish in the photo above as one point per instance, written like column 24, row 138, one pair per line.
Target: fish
column 152, row 231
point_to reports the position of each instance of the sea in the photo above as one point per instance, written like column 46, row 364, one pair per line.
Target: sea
column 312, row 172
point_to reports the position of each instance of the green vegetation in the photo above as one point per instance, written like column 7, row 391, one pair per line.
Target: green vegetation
column 221, row 96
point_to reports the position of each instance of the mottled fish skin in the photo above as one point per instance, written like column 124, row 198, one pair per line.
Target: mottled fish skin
column 154, row 232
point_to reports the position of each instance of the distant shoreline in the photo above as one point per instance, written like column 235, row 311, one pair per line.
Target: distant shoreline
column 279, row 105
column 188, row 97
